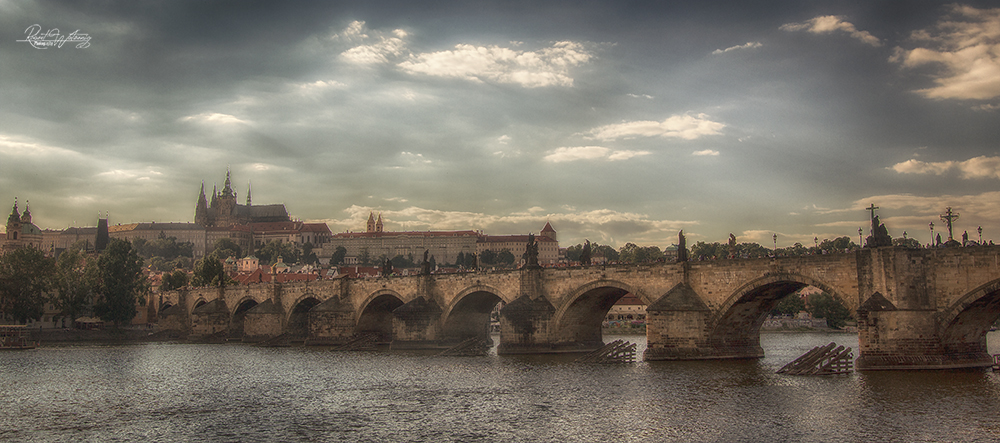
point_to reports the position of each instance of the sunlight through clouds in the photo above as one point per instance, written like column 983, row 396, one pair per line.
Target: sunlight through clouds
column 686, row 127
column 978, row 167
column 531, row 69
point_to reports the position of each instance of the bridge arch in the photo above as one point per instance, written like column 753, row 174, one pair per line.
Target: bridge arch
column 239, row 315
column 581, row 316
column 297, row 323
column 375, row 314
column 469, row 313
column 965, row 324
column 736, row 326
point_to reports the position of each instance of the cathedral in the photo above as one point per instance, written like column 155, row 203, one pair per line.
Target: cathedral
column 223, row 211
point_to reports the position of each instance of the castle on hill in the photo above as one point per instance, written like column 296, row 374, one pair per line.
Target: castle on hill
column 223, row 211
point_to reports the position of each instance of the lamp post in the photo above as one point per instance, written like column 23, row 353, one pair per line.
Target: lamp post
column 861, row 238
column 775, row 238
column 816, row 241
column 980, row 229
column 931, row 224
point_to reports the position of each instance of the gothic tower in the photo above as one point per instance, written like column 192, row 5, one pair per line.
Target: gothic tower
column 370, row 227
column 201, row 209
column 378, row 224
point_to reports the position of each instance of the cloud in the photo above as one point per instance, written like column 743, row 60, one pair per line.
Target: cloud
column 212, row 118
column 531, row 69
column 686, row 126
column 967, row 49
column 747, row 45
column 568, row 154
column 827, row 24
column 375, row 47
column 977, row 167
column 706, row 152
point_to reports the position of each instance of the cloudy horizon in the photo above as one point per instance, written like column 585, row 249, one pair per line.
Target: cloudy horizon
column 614, row 122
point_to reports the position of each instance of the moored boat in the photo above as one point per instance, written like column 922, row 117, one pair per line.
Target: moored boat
column 15, row 337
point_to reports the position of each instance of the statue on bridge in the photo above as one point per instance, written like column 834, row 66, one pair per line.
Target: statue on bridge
column 682, row 250
column 387, row 268
column 531, row 252
column 585, row 254
column 880, row 235
column 425, row 266
column 732, row 245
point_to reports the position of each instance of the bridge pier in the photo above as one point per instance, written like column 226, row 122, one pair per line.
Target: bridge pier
column 264, row 321
column 415, row 325
column 331, row 323
column 894, row 339
column 524, row 326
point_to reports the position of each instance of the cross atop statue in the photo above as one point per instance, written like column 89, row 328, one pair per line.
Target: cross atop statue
column 871, row 208
column 948, row 217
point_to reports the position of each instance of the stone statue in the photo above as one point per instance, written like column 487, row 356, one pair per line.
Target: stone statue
column 585, row 255
column 531, row 252
column 425, row 266
column 682, row 250
column 880, row 235
column 732, row 246
column 965, row 238
column 387, row 268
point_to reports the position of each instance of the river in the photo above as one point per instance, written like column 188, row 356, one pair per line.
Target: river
column 236, row 392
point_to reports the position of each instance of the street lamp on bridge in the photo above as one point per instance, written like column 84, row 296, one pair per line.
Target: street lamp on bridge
column 931, row 224
column 980, row 229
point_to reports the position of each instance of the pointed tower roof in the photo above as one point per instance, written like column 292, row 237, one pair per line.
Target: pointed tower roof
column 15, row 216
column 378, row 224
column 548, row 228
column 248, row 193
column 227, row 188
column 26, row 215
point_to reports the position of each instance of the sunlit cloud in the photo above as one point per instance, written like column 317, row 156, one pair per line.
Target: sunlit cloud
column 966, row 46
column 706, row 152
column 685, row 126
column 545, row 67
column 828, row 24
column 977, row 167
column 373, row 47
column 568, row 154
column 213, row 118
column 747, row 45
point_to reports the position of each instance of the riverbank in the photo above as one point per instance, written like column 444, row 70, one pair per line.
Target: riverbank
column 131, row 334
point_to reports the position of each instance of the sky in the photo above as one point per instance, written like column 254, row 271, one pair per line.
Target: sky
column 615, row 121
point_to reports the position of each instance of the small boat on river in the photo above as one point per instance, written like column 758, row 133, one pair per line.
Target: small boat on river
column 15, row 337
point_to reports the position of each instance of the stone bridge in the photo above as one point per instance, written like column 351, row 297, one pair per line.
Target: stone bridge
column 916, row 308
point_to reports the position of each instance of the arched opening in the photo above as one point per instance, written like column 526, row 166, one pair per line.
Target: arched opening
column 298, row 320
column 966, row 330
column 475, row 315
column 200, row 303
column 581, row 323
column 165, row 306
column 735, row 332
column 376, row 318
column 239, row 316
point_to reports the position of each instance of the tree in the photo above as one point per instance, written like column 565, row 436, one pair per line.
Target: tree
column 460, row 260
column 488, row 257
column 338, row 256
column 505, row 257
column 272, row 250
column 75, row 282
column 790, row 305
column 308, row 256
column 25, row 276
column 226, row 248
column 210, row 271
column 910, row 243
column 174, row 280
column 632, row 253
column 585, row 254
column 823, row 305
column 609, row 253
column 121, row 283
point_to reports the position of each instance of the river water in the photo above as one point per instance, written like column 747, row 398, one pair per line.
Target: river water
column 236, row 392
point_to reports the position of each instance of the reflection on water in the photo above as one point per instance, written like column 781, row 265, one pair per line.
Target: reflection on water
column 181, row 392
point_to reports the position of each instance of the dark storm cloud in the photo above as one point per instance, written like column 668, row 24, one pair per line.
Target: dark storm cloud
column 617, row 122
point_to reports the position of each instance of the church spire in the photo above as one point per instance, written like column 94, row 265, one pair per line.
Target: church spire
column 227, row 188
column 15, row 216
column 248, row 193
column 378, row 224
column 371, row 222
column 26, row 216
